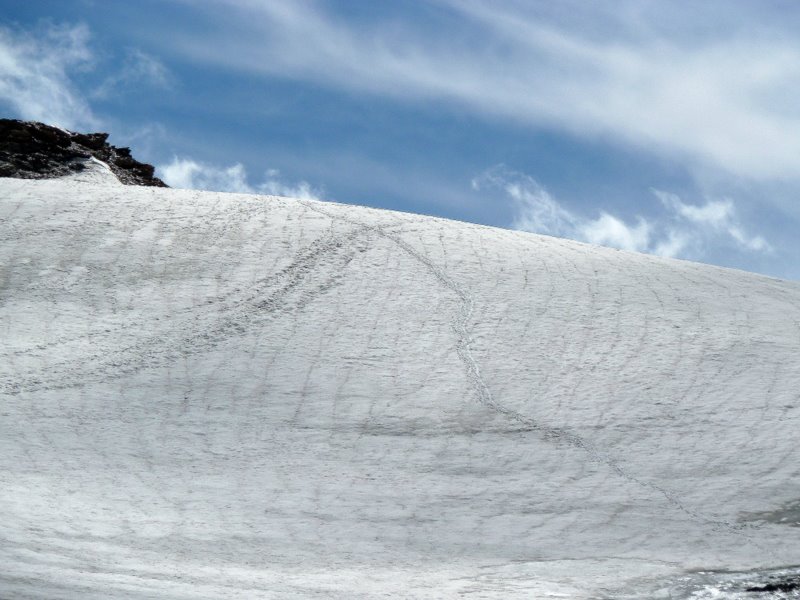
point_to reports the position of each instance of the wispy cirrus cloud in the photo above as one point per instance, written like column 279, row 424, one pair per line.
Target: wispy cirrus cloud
column 681, row 230
column 138, row 69
column 39, row 68
column 717, row 217
column 187, row 173
column 695, row 94
column 35, row 74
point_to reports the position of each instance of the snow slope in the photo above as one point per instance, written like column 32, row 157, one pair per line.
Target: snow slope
column 209, row 395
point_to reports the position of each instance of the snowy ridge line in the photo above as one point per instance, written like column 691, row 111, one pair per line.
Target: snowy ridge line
column 552, row 434
column 271, row 295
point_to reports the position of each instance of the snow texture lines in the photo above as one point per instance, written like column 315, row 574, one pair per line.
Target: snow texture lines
column 199, row 328
column 220, row 395
column 461, row 327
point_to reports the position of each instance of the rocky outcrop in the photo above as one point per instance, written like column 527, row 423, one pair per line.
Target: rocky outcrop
column 31, row 150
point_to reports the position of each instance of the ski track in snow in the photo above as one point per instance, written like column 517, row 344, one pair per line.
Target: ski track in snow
column 555, row 434
column 222, row 396
column 266, row 299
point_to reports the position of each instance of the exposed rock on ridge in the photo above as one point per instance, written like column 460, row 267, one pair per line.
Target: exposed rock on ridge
column 31, row 150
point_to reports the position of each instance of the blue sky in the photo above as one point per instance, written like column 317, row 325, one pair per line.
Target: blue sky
column 665, row 127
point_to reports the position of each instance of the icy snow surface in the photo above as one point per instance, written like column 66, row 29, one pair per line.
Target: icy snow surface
column 222, row 396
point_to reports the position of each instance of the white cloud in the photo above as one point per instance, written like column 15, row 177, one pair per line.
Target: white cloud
column 716, row 215
column 34, row 75
column 138, row 69
column 674, row 243
column 689, row 88
column 38, row 68
column 189, row 174
column 537, row 210
column 608, row 230
column 684, row 230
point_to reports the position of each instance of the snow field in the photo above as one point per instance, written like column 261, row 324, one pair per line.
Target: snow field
column 219, row 396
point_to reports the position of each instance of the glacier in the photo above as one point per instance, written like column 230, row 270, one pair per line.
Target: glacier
column 209, row 395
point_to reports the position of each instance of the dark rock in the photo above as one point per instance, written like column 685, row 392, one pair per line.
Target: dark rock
column 125, row 162
column 31, row 150
column 784, row 585
column 95, row 141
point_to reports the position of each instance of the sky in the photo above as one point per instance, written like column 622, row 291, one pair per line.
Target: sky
column 670, row 128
